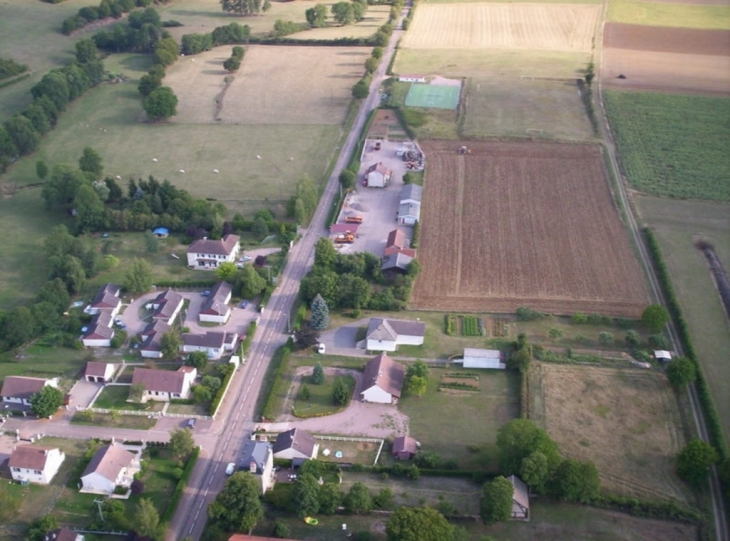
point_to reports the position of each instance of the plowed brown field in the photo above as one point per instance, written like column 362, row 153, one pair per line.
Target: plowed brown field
column 523, row 224
column 666, row 40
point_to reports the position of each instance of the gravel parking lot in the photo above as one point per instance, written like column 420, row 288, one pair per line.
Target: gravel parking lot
column 377, row 206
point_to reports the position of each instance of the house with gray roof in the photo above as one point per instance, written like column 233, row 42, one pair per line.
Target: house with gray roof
column 215, row 308
column 382, row 380
column 164, row 385
column 296, row 444
column 409, row 213
column 396, row 263
column 411, row 193
column 106, row 300
column 388, row 334
column 258, row 459
column 208, row 254
column 151, row 346
column 111, row 466
column 100, row 331
column 213, row 343
column 167, row 305
column 20, row 389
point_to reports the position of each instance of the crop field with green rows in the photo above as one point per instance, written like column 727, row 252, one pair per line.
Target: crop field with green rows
column 673, row 145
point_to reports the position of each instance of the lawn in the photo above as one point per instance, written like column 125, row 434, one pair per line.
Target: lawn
column 463, row 426
column 669, row 14
column 676, row 225
column 39, row 361
column 114, row 397
column 672, row 145
column 320, row 400
column 135, row 422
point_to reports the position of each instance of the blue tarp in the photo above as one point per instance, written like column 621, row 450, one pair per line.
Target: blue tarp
column 161, row 231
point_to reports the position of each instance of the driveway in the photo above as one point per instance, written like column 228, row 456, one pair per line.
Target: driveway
column 83, row 392
column 343, row 340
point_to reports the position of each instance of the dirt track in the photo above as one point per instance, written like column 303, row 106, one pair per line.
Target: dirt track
column 523, row 224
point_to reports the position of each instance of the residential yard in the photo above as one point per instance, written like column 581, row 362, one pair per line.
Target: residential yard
column 627, row 421
column 463, row 426
column 114, row 397
column 320, row 401
column 42, row 362
column 113, row 420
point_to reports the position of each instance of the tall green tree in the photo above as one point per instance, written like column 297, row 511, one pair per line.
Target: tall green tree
column 170, row 344
column 343, row 13
column 348, row 179
column 535, row 471
column 19, row 326
column 318, row 374
column 330, row 498
column 358, row 499
column 24, row 135
column 306, row 495
column 198, row 359
column 249, row 283
column 238, row 506
column 655, row 317
column 325, row 253
column 86, row 50
column 246, row 7
column 360, row 89
column 161, row 104
column 181, row 442
column 89, row 209
column 91, row 162
column 46, row 401
column 520, row 438
column 417, row 378
column 695, row 460
column 316, row 16
column 496, row 501
column 139, row 277
column 576, row 481
column 340, row 392
column 320, row 314
column 418, row 524
column 40, row 527
column 681, row 371
column 226, row 271
column 147, row 521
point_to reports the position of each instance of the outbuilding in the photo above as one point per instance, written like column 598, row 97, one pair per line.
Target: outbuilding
column 404, row 448
column 378, row 176
column 483, row 358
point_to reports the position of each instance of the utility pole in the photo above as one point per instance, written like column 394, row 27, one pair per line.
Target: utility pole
column 98, row 505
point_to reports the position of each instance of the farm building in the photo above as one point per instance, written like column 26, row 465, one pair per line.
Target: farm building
column 35, row 464
column 520, row 499
column 151, row 347
column 483, row 358
column 20, row 389
column 165, row 385
column 106, row 300
column 382, row 380
column 166, row 306
column 214, row 344
column 112, row 466
column 409, row 213
column 378, row 176
column 99, row 332
column 411, row 193
column 296, row 444
column 397, row 262
column 215, row 309
column 662, row 355
column 397, row 243
column 99, row 372
column 404, row 448
column 209, row 254
column 258, row 459
column 388, row 334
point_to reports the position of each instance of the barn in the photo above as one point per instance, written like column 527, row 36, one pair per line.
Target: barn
column 483, row 358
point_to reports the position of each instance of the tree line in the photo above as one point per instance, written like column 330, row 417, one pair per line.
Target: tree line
column 106, row 8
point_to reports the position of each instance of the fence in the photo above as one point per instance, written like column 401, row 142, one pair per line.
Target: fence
column 364, row 440
column 149, row 414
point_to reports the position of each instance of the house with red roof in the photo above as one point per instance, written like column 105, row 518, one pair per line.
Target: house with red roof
column 207, row 254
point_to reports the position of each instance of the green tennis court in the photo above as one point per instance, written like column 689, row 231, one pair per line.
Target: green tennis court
column 434, row 96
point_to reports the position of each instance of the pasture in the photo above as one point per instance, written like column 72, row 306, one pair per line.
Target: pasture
column 627, row 421
column 676, row 225
column 523, row 224
column 568, row 27
column 434, row 96
column 672, row 145
column 696, row 14
column 275, row 86
column 524, row 107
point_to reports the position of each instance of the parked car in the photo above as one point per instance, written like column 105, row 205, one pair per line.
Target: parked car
column 244, row 304
column 206, row 293
column 191, row 423
column 231, row 468
column 244, row 259
column 321, row 348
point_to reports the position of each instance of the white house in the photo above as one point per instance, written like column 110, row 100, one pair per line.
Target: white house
column 112, row 466
column 215, row 308
column 165, row 385
column 378, row 176
column 209, row 254
column 212, row 343
column 99, row 372
column 258, row 459
column 411, row 193
column 296, row 444
column 167, row 305
column 382, row 380
column 100, row 331
column 483, row 358
column 35, row 464
column 20, row 389
column 388, row 334
column 106, row 300
column 151, row 347
column 409, row 213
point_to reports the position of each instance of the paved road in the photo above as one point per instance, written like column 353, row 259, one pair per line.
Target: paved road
column 236, row 422
column 720, row 518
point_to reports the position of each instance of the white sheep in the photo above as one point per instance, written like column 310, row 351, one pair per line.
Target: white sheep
column 154, row 160
column 182, row 170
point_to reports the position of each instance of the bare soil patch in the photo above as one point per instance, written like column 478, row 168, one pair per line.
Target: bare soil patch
column 627, row 421
column 523, row 224
column 275, row 85
column 559, row 27
column 669, row 72
column 666, row 40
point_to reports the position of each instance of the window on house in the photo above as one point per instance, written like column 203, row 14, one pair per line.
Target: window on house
column 37, row 472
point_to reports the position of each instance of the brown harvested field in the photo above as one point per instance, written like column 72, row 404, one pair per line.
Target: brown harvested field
column 666, row 40
column 558, row 27
column 523, row 224
column 275, row 85
column 627, row 421
column 667, row 72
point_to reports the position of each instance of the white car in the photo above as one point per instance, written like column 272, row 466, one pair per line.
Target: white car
column 231, row 468
column 321, row 348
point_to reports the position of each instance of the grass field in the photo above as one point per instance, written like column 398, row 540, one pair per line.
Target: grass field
column 673, row 145
column 626, row 421
column 435, row 96
column 449, row 423
column 114, row 397
column 320, row 400
column 687, row 15
column 525, row 107
column 676, row 225
column 135, row 422
column 40, row 361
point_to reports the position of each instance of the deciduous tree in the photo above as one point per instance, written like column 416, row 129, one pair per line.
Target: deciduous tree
column 520, row 438
column 46, row 401
column 360, row 90
column 496, row 501
column 695, row 460
column 161, row 104
column 343, row 13
column 418, row 524
column 238, row 506
column 576, row 481
column 170, row 344
column 181, row 442
column 681, row 371
column 198, row 359
column 246, row 7
column 90, row 162
column 306, row 495
column 317, row 16
column 358, row 499
column 655, row 317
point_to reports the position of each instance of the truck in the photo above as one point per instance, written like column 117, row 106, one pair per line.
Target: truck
column 345, row 238
column 353, row 220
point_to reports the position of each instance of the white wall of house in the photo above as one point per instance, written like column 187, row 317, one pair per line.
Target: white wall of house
column 97, row 342
column 151, row 354
column 97, row 483
column 376, row 179
column 221, row 319
column 376, row 395
column 291, row 453
column 267, row 478
column 407, row 340
column 15, row 400
column 213, row 353
column 54, row 459
column 380, row 345
column 408, row 220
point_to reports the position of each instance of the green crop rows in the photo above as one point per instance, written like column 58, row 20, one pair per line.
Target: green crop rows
column 470, row 326
column 673, row 145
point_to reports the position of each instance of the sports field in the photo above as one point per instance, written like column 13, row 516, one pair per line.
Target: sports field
column 676, row 225
column 568, row 27
column 433, row 96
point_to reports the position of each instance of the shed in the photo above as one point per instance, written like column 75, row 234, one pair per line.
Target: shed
column 409, row 213
column 404, row 448
column 483, row 358
column 378, row 176
column 396, row 262
column 662, row 355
